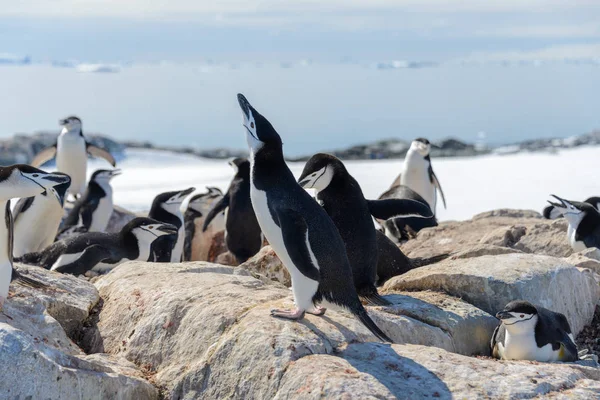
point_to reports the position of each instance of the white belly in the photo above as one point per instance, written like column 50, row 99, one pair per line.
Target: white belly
column 178, row 248
column 303, row 288
column 103, row 268
column 524, row 347
column 415, row 175
column 33, row 236
column 64, row 260
column 576, row 245
column 102, row 214
column 5, row 277
column 71, row 158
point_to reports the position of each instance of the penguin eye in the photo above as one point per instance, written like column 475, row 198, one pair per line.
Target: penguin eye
column 150, row 227
column 35, row 175
column 521, row 316
column 252, row 125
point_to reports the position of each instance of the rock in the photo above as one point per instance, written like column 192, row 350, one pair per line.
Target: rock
column 217, row 246
column 118, row 219
column 40, row 361
column 204, row 241
column 484, row 250
column 266, row 263
column 490, row 282
column 226, row 259
column 67, row 299
column 589, row 258
column 519, row 231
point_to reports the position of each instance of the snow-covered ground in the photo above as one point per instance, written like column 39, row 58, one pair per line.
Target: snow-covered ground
column 471, row 185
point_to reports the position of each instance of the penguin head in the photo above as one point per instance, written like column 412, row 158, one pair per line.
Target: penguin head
column 259, row 131
column 240, row 164
column 573, row 211
column 60, row 191
column 22, row 180
column 421, row 146
column 320, row 170
column 203, row 202
column 104, row 175
column 71, row 124
column 171, row 201
column 147, row 230
column 518, row 317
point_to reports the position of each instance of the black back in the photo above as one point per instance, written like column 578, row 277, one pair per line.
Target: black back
column 163, row 246
column 588, row 230
column 404, row 228
column 391, row 260
column 84, row 207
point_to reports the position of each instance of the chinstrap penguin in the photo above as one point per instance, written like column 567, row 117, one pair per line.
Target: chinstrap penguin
column 71, row 150
column 527, row 332
column 343, row 200
column 584, row 223
column 92, row 211
column 402, row 229
column 551, row 212
column 418, row 174
column 242, row 232
column 197, row 243
column 298, row 228
column 101, row 252
column 18, row 181
column 166, row 208
column 37, row 218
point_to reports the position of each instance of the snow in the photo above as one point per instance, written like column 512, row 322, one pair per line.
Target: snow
column 471, row 185
column 101, row 68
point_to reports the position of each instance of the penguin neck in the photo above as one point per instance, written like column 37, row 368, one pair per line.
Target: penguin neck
column 268, row 167
column 341, row 186
column 72, row 132
column 103, row 185
column 6, row 234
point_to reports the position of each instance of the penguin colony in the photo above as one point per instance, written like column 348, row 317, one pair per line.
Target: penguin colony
column 334, row 252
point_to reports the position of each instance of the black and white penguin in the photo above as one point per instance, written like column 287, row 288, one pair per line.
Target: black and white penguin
column 417, row 173
column 166, row 208
column 31, row 211
column 551, row 212
column 584, row 223
column 242, row 232
column 401, row 229
column 527, row 332
column 19, row 181
column 101, row 252
column 197, row 243
column 298, row 228
column 341, row 196
column 92, row 211
column 71, row 151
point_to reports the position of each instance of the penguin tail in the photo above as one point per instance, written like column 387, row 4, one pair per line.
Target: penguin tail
column 372, row 298
column 364, row 317
column 27, row 282
column 30, row 259
column 421, row 261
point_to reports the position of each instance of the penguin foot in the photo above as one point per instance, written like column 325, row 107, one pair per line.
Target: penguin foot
column 318, row 310
column 288, row 314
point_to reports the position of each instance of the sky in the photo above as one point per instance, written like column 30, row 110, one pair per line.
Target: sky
column 511, row 68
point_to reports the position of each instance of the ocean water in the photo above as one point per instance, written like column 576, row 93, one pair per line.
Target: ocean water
column 471, row 185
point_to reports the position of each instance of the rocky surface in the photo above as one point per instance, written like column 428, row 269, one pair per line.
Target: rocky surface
column 38, row 358
column 266, row 263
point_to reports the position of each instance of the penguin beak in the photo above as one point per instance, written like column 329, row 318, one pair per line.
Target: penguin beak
column 563, row 203
column 304, row 183
column 62, row 122
column 504, row 315
column 115, row 172
column 186, row 192
column 168, row 229
column 244, row 105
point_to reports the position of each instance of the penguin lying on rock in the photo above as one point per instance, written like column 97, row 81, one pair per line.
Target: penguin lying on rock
column 584, row 223
column 341, row 196
column 298, row 229
column 101, row 252
column 528, row 332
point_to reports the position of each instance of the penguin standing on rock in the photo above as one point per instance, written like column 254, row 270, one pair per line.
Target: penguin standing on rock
column 527, row 332
column 101, row 252
column 298, row 229
column 19, row 181
column 29, row 212
column 584, row 223
column 93, row 210
column 166, row 208
column 342, row 198
column 197, row 244
column 71, row 151
column 418, row 174
column 242, row 232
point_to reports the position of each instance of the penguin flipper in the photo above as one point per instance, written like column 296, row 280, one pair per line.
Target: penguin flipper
column 25, row 281
column 97, row 152
column 295, row 238
column 87, row 211
column 90, row 257
column 219, row 206
column 433, row 178
column 21, row 206
column 404, row 208
column 44, row 156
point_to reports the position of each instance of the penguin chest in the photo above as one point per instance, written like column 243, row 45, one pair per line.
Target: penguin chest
column 416, row 177
column 71, row 158
column 27, row 239
column 178, row 249
column 5, row 277
column 524, row 347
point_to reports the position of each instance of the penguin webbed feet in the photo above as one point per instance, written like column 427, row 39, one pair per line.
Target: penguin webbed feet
column 318, row 311
column 295, row 314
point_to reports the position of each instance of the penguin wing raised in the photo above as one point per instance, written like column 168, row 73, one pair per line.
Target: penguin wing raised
column 22, row 206
column 215, row 210
column 100, row 153
column 295, row 238
column 433, row 178
column 391, row 208
column 90, row 257
column 44, row 156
